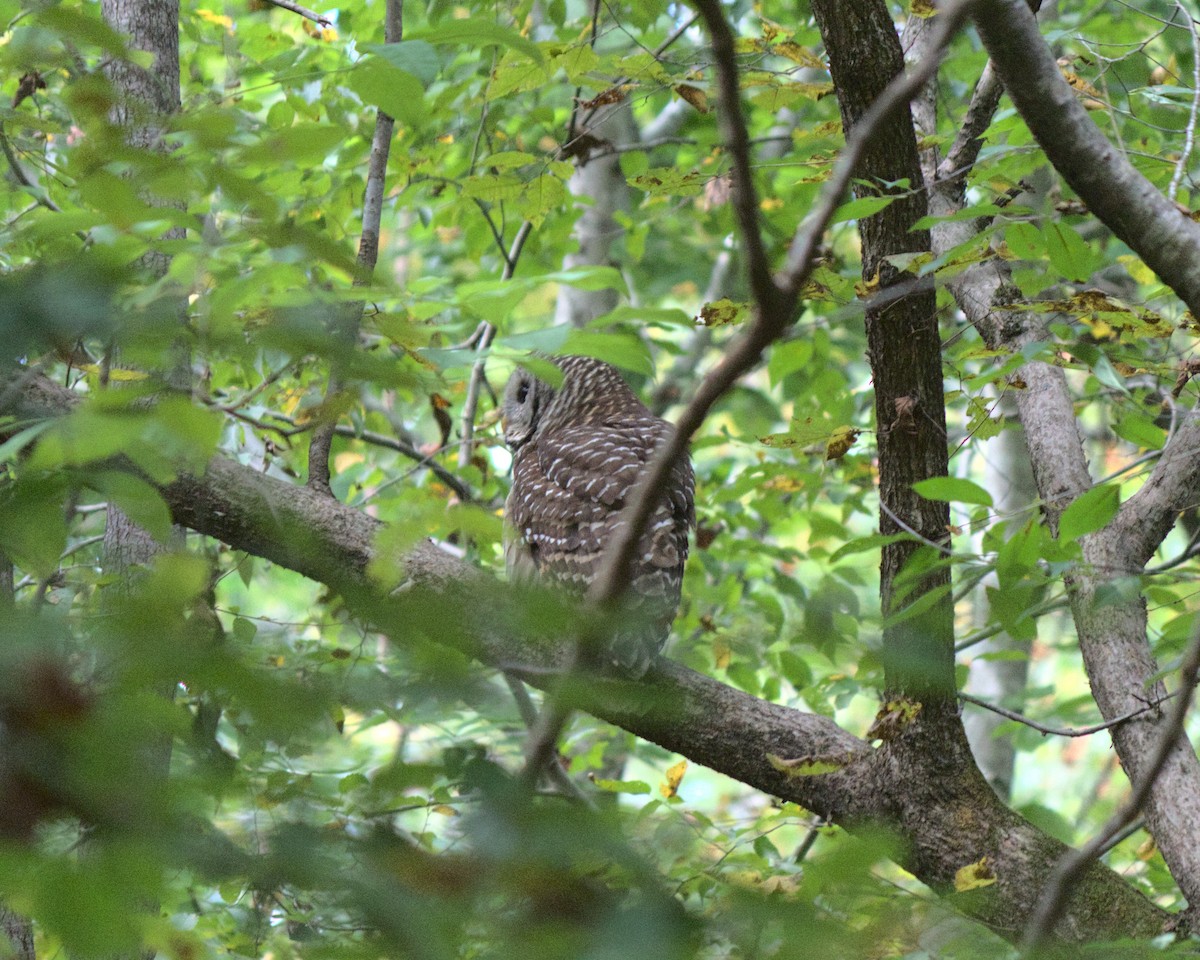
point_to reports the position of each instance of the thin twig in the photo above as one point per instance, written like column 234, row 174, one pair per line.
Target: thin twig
column 304, row 12
column 552, row 769
column 810, row 839
column 657, row 52
column 1064, row 731
column 737, row 143
column 1070, row 868
column 487, row 333
column 1190, row 131
column 941, row 548
column 366, row 436
column 347, row 326
column 22, row 178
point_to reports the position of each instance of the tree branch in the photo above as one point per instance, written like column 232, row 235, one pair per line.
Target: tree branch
column 1127, row 203
column 1061, row 731
column 683, row 711
column 1066, row 873
column 368, row 255
column 312, row 15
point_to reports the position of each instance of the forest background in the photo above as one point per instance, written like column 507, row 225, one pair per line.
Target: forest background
column 265, row 270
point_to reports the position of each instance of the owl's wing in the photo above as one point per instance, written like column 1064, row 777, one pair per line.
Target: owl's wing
column 568, row 492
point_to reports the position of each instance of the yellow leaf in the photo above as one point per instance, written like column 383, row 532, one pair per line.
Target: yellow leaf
column 670, row 787
column 722, row 654
column 1082, row 86
column 781, row 483
column 216, row 19
column 840, row 442
column 798, row 54
column 974, row 875
column 115, row 375
column 866, row 288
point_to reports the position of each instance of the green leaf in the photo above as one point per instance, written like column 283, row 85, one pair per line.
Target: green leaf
column 476, row 32
column 953, row 490
column 410, row 56
column 1068, row 253
column 1089, row 512
column 396, row 92
column 1025, row 241
column 590, row 278
column 966, row 213
column 33, row 531
column 862, row 207
column 1138, row 429
column 787, row 358
column 492, row 300
column 626, row 351
column 622, row 786
column 12, row 447
column 137, row 500
column 1107, row 374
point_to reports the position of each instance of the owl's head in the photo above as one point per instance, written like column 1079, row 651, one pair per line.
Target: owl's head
column 525, row 398
column 591, row 392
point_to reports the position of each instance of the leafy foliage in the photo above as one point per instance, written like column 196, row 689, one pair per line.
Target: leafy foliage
column 335, row 794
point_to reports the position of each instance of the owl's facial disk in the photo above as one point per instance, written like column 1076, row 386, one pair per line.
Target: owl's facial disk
column 522, row 402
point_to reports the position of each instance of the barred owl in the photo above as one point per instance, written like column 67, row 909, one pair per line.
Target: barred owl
column 577, row 454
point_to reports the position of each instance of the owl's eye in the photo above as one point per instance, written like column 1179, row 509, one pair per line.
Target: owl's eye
column 522, row 393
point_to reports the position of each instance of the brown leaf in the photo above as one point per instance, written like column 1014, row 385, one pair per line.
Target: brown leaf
column 706, row 534
column 440, row 407
column 717, row 192
column 604, row 98
column 28, row 85
column 693, row 95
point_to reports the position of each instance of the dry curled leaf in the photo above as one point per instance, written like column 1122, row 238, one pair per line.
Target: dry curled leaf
column 693, row 95
column 604, row 98
column 906, row 421
column 27, row 86
column 441, row 415
column 814, row 765
column 717, row 192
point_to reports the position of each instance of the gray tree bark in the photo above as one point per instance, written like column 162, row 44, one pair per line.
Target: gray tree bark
column 599, row 185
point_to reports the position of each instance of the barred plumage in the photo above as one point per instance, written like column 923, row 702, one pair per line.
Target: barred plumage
column 577, row 453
